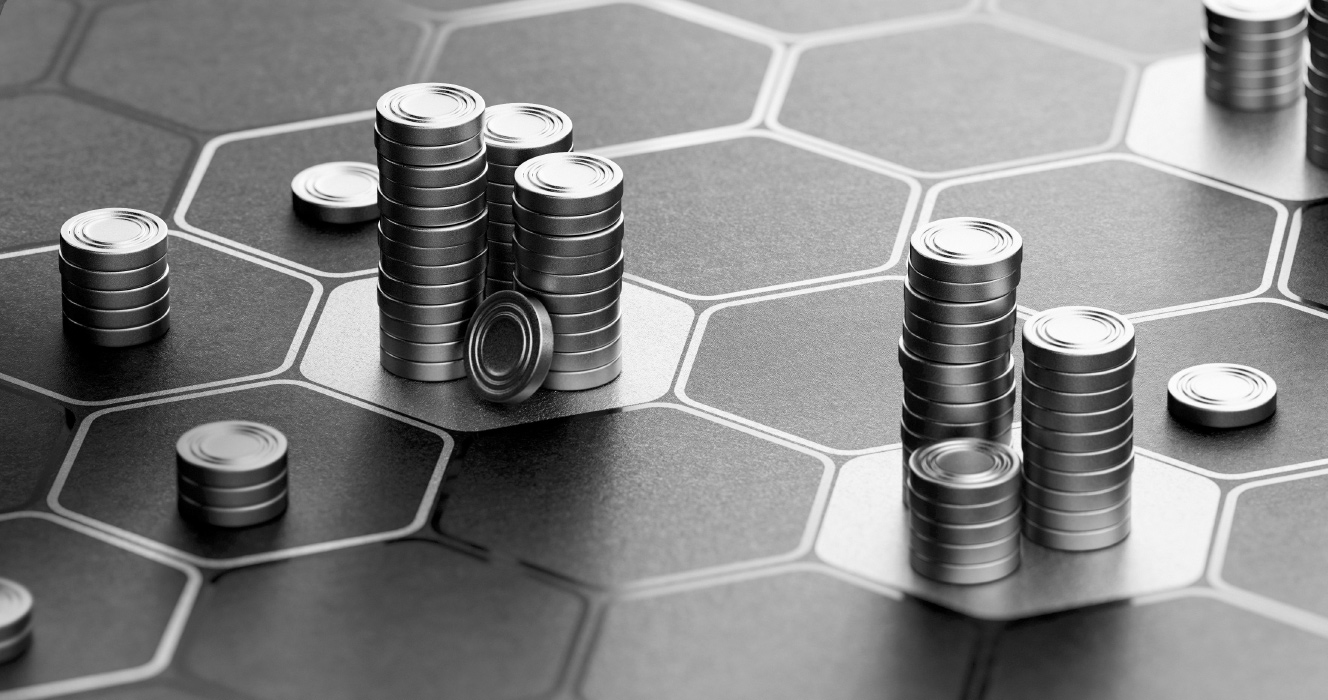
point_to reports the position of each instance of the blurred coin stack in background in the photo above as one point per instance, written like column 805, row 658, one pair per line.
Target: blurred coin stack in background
column 115, row 281
column 1078, row 427
column 231, row 474
column 16, row 605
column 1252, row 53
column 963, row 503
column 569, row 255
column 431, row 227
column 1316, row 86
column 959, row 323
column 514, row 133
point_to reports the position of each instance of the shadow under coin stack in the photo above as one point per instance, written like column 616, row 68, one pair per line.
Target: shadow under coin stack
column 959, row 320
column 963, row 498
column 1252, row 53
column 1078, row 428
column 15, row 620
column 514, row 133
column 1316, row 86
column 115, row 281
column 431, row 227
column 569, row 255
column 231, row 474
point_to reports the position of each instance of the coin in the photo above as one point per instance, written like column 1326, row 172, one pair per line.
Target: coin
column 1077, row 462
column 1076, row 501
column 244, row 516
column 1078, row 422
column 429, row 294
column 1082, row 541
column 117, row 300
column 113, row 240
column 427, row 314
column 430, row 114
column 1078, row 339
column 435, row 197
column 1075, row 482
column 964, row 574
column 116, row 337
column 966, row 249
column 919, row 367
column 116, row 319
column 1221, row 395
column 427, row 156
column 962, row 291
column 422, row 371
column 1077, row 442
column 342, row 192
column 231, row 454
column 449, row 175
column 433, row 275
column 463, row 233
column 1077, row 521
column 509, row 347
column 421, row 352
column 964, row 471
column 430, row 217
column 1070, row 402
column 584, row 379
column 518, row 131
column 568, row 184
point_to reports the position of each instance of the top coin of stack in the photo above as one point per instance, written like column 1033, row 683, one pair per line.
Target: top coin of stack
column 431, row 228
column 115, row 282
column 513, row 134
column 1252, row 53
column 15, row 620
column 959, row 320
column 1316, row 86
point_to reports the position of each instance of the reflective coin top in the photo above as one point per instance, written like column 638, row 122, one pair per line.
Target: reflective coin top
column 568, row 184
column 518, row 131
column 509, row 347
column 232, row 453
column 129, row 237
column 15, row 608
column 430, row 114
column 1078, row 339
column 1221, row 395
column 339, row 192
column 965, row 249
column 964, row 470
column 1256, row 11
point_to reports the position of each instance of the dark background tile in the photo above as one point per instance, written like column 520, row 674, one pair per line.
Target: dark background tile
column 1279, row 543
column 30, row 36
column 35, row 435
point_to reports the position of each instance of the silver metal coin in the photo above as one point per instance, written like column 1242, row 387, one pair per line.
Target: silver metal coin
column 463, row 233
column 502, row 174
column 949, row 353
column 427, row 314
column 1247, row 79
column 117, row 300
column 518, row 131
column 16, row 606
column 566, row 265
column 116, row 239
column 427, row 156
column 950, row 514
column 1078, row 339
column 937, row 430
column 919, row 367
column 1079, row 382
column 1077, row 521
column 1221, row 395
column 1079, row 482
column 1078, row 422
column 571, row 284
column 584, row 379
column 960, row 334
column 574, row 303
column 231, row 454
column 112, row 281
column 1061, row 441
column 966, row 249
column 423, row 333
column 1252, row 100
column 959, row 412
column 1068, row 402
column 435, row 197
column 415, row 255
column 342, row 192
column 949, row 533
column 1076, row 501
column 588, row 340
column 501, row 213
column 961, row 393
column 246, row 516
column 117, row 337
column 493, row 286
column 586, row 359
column 116, row 319
column 450, row 175
column 237, row 497
column 964, row 472
column 1078, row 462
column 429, row 294
column 16, row 647
column 964, row 574
column 1242, row 40
column 610, row 238
column 582, row 225
column 962, row 291
column 569, row 184
column 430, row 217
column 421, row 352
column 430, row 114
column 1250, row 60
column 964, row 553
column 498, row 193
column 501, row 233
column 509, row 348
column 938, row 311
column 422, row 371
column 1083, row 541
column 1254, row 16
column 567, row 324
column 455, row 273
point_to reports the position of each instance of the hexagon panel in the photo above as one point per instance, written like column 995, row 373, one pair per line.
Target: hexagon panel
column 1141, row 26
column 1307, row 256
column 796, row 16
column 30, row 36
column 1277, row 544
column 36, row 435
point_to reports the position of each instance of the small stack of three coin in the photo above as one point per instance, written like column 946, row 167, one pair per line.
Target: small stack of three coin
column 231, row 474
column 115, row 281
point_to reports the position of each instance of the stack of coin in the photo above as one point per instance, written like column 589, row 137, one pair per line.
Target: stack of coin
column 1252, row 51
column 431, row 228
column 115, row 282
column 1078, row 428
column 15, row 620
column 513, row 134
column 959, row 320
column 231, row 474
column 963, row 498
column 1316, row 86
column 569, row 255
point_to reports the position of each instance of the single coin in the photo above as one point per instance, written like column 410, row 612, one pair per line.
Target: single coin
column 957, row 354
column 964, row 472
column 959, row 412
column 566, row 265
column 938, row 311
column 959, row 393
column 1062, row 441
column 1241, row 39
column 1077, row 521
column 427, row 156
column 1079, row 382
column 117, row 337
column 1254, row 79
column 500, row 233
column 429, row 294
column 584, row 379
column 929, row 428
column 951, row 514
column 427, row 314
column 586, row 359
column 116, row 300
column 966, row 249
column 1092, row 461
column 16, row 604
column 449, row 175
column 983, row 553
column 580, row 225
column 15, row 647
column 423, row 333
column 493, row 286
column 948, row 533
column 1083, row 541
column 919, row 367
column 113, row 240
column 964, row 574
column 498, row 193
column 241, row 497
column 1076, row 501
column 112, row 281
column 518, row 131
column 342, row 192
column 231, row 454
column 574, row 303
column 1254, row 16
column 1249, row 60
column 455, row 273
column 962, row 333
column 502, row 174
column 1078, row 422
column 569, row 184
column 421, row 352
column 1068, row 402
column 434, row 197
column 116, row 319
column 501, row 213
column 610, row 238
column 571, row 284
column 1221, row 395
column 589, row 340
column 467, row 232
column 509, row 347
column 416, row 255
column 498, row 269
column 1254, row 100
column 967, row 292
column 1078, row 339
column 422, row 371
column 568, row 324
column 913, row 441
column 1078, row 482
column 247, row 516
column 430, row 217
column 430, row 114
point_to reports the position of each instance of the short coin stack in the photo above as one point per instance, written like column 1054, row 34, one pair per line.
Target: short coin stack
column 1252, row 53
column 1316, row 86
column 431, row 229
column 959, row 321
column 115, row 281
column 15, row 620
column 1078, row 428
column 569, row 254
column 513, row 134
column 231, row 474
column 963, row 498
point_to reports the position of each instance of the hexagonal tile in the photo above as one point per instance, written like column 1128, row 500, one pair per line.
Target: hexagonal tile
column 104, row 613
column 1118, row 226
column 221, row 66
column 1142, row 26
column 1277, row 540
column 638, row 494
column 458, row 627
column 343, row 355
column 795, row 16
column 590, row 63
column 865, row 532
column 1307, row 256
column 1191, row 647
column 144, row 691
column 232, row 317
column 755, row 212
column 356, row 474
column 1024, row 99
column 36, row 435
column 30, row 37
column 63, row 157
column 243, row 194
column 800, row 634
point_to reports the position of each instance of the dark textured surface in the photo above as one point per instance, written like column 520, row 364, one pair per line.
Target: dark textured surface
column 33, row 435
column 622, row 496
column 622, row 72
column 29, row 36
column 1271, row 337
column 1145, row 26
column 230, row 318
column 1306, row 278
column 947, row 111
column 1279, row 543
column 97, row 608
column 406, row 620
column 246, row 197
column 797, row 16
column 1117, row 230
column 1188, row 649
column 352, row 471
column 795, row 636
column 754, row 212
column 62, row 157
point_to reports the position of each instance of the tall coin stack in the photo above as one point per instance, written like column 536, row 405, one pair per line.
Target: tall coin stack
column 431, row 229
column 114, row 278
column 1252, row 53
column 514, row 133
column 1316, row 86
column 1078, row 428
column 963, row 498
column 569, row 255
column 231, row 474
column 959, row 321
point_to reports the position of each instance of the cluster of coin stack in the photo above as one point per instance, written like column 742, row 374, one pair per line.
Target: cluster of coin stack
column 231, row 474
column 569, row 256
column 1078, row 427
column 963, row 502
column 959, row 322
column 15, row 620
column 513, row 134
column 431, row 229
column 1316, row 86
column 1252, row 53
column 115, row 281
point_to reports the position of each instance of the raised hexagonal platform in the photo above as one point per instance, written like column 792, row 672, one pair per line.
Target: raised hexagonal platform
column 799, row 17
column 36, row 434
column 1141, row 26
column 1306, row 257
column 30, row 37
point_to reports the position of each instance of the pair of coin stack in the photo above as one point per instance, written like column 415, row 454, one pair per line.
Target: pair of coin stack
column 1252, row 53
column 231, row 474
column 431, row 228
column 959, row 322
column 569, row 256
column 963, row 503
column 513, row 134
column 1078, row 427
column 115, row 281
column 1316, row 86
column 15, row 620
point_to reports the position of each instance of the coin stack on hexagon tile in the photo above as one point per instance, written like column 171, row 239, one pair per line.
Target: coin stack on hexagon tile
column 115, row 281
